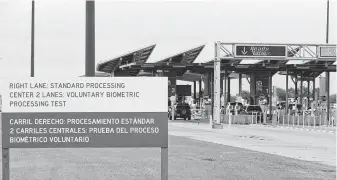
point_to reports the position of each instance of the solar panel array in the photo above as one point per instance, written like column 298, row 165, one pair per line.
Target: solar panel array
column 127, row 62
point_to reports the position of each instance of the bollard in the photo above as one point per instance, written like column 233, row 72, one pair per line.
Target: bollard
column 288, row 118
column 293, row 120
column 260, row 119
column 211, row 121
column 314, row 123
column 320, row 121
column 252, row 122
column 326, row 120
column 278, row 118
column 283, row 119
column 256, row 118
column 298, row 120
column 333, row 121
column 230, row 120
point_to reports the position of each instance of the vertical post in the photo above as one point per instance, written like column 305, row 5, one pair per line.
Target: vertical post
column 298, row 120
column 221, row 90
column 164, row 163
column 200, row 94
column 320, row 121
column 212, row 93
column 252, row 88
column 327, row 87
column 229, row 89
column 217, row 78
column 314, row 90
column 303, row 117
column 314, row 122
column 270, row 95
column 283, row 118
column 308, row 96
column 194, row 90
column 301, row 89
column 172, row 107
column 5, row 164
column 327, row 75
column 240, row 84
column 287, row 78
column 327, row 22
column 32, row 45
column 90, row 39
column 224, row 91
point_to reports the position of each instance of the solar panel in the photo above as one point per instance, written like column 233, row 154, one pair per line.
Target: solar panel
column 185, row 57
column 138, row 56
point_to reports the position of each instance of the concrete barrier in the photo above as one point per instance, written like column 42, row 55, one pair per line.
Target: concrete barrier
column 236, row 119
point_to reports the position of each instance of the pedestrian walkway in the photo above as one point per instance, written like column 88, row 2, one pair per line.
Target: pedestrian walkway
column 304, row 145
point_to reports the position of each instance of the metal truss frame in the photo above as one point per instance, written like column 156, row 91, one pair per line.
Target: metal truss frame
column 223, row 50
column 305, row 52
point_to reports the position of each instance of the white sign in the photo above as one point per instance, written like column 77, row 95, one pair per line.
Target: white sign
column 85, row 94
column 327, row 51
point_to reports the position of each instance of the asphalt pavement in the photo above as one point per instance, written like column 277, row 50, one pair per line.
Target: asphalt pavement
column 299, row 144
column 188, row 159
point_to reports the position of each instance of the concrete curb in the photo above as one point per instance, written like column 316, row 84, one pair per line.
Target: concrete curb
column 298, row 128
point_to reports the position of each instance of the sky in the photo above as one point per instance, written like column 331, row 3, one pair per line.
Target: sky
column 173, row 26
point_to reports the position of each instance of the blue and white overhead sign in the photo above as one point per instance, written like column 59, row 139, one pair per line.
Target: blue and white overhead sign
column 260, row 51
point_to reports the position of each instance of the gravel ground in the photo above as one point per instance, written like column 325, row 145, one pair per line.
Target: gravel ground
column 188, row 159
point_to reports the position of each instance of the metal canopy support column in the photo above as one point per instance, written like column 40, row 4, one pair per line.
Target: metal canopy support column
column 221, row 84
column 327, row 87
column 308, row 95
column 32, row 50
column 229, row 89
column 314, row 91
column 270, row 95
column 327, row 74
column 206, row 84
column 296, row 89
column 252, row 88
column 200, row 93
column 240, row 84
column 90, row 39
column 287, row 91
column 224, row 90
column 217, row 74
column 212, row 93
column 301, row 89
column 194, row 90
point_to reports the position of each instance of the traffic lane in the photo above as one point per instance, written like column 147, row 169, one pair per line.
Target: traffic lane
column 273, row 141
column 188, row 159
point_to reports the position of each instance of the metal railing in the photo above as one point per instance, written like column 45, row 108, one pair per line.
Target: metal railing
column 306, row 120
